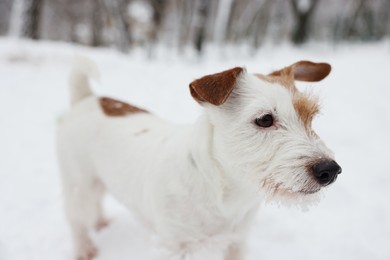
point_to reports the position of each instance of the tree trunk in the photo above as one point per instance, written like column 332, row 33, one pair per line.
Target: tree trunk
column 200, row 26
column 97, row 24
column 158, row 15
column 185, row 18
column 302, row 21
column 16, row 19
column 300, row 33
column 257, row 27
column 25, row 18
column 351, row 30
column 221, row 21
column 115, row 12
column 236, row 7
column 31, row 18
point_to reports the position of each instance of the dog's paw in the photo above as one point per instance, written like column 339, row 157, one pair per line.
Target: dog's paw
column 101, row 224
column 88, row 253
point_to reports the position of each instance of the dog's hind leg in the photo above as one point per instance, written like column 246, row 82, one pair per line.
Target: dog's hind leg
column 83, row 198
column 100, row 221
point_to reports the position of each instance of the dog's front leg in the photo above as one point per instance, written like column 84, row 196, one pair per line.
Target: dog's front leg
column 198, row 253
column 206, row 253
column 235, row 251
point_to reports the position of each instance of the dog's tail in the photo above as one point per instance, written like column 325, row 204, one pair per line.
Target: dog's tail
column 83, row 69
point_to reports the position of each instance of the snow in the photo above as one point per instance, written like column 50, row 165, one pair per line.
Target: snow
column 351, row 222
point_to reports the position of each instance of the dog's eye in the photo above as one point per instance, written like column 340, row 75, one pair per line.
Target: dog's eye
column 265, row 121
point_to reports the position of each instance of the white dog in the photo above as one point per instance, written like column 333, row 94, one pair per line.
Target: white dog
column 196, row 187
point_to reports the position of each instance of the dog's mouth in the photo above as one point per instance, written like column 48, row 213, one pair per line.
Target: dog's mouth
column 303, row 196
column 285, row 191
column 277, row 188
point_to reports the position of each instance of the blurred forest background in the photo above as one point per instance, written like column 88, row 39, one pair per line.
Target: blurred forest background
column 194, row 24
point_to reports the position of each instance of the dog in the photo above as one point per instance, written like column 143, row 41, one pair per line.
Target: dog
column 197, row 187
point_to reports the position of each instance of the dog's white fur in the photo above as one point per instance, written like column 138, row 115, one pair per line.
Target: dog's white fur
column 196, row 187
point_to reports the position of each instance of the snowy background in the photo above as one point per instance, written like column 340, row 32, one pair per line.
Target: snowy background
column 351, row 222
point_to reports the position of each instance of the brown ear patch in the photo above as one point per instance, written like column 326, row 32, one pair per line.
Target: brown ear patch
column 215, row 88
column 113, row 107
column 304, row 71
column 310, row 71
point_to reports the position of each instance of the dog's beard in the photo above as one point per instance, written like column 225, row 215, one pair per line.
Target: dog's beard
column 301, row 194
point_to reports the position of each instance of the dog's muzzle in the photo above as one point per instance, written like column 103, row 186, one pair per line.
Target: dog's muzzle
column 325, row 172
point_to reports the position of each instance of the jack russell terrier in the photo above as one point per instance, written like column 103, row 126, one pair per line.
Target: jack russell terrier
column 196, row 187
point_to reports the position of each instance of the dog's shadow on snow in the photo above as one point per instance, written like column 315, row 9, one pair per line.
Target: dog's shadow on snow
column 124, row 237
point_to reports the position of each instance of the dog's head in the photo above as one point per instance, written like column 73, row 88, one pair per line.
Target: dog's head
column 262, row 128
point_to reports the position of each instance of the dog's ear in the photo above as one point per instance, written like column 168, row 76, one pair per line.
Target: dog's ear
column 305, row 71
column 215, row 88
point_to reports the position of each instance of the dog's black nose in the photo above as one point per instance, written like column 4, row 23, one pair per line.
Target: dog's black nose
column 326, row 172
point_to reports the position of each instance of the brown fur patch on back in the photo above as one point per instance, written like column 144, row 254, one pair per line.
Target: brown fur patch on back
column 113, row 107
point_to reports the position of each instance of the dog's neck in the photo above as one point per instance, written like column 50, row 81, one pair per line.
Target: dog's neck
column 232, row 193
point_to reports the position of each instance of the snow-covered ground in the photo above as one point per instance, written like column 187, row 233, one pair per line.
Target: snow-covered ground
column 351, row 222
